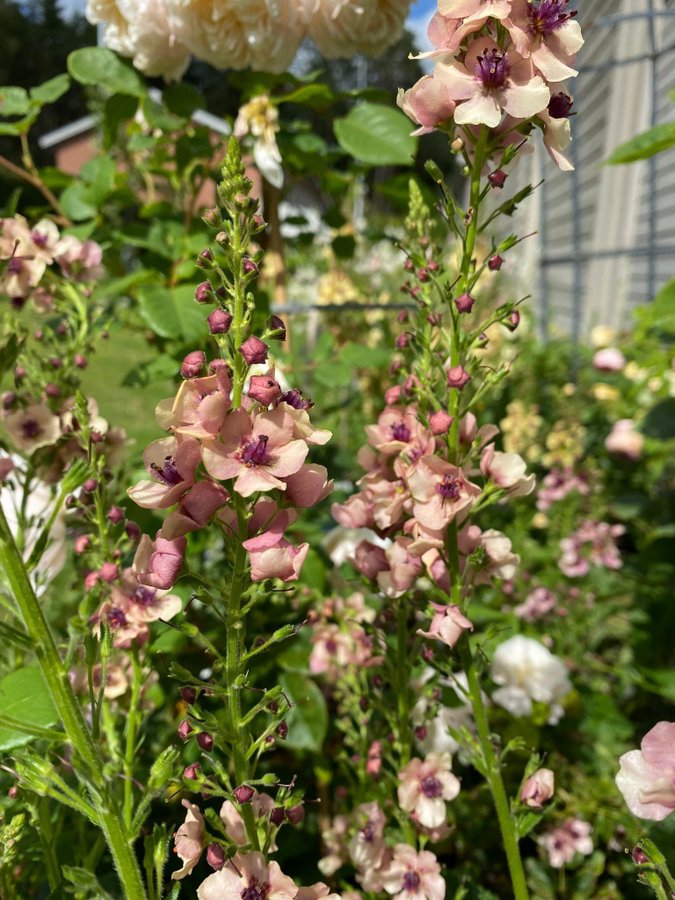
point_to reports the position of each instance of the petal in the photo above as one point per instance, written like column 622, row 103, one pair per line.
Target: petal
column 635, row 776
column 481, row 109
column 525, row 100
column 550, row 65
column 256, row 478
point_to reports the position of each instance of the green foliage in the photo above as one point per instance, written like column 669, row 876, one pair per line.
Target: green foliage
column 100, row 67
column 308, row 719
column 376, row 135
column 26, row 704
column 643, row 146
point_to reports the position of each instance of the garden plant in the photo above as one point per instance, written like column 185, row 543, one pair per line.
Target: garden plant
column 412, row 637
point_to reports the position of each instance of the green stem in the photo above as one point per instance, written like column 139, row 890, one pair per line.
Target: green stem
column 131, row 733
column 494, row 776
column 403, row 689
column 233, row 666
column 66, row 703
column 54, row 876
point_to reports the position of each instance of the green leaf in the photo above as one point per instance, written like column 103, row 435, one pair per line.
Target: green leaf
column 644, row 145
column 84, row 881
column 376, row 135
column 360, row 357
column 308, row 720
column 50, row 91
column 172, row 313
column 77, row 203
column 14, row 101
column 344, row 246
column 117, row 109
column 660, row 420
column 158, row 117
column 8, row 354
column 24, row 698
column 183, row 99
column 99, row 174
column 101, row 67
column 311, row 94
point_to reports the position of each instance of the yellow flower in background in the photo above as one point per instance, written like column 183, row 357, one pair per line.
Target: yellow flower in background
column 605, row 393
column 564, row 444
column 521, row 430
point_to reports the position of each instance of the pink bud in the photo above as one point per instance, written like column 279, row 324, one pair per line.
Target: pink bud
column 402, row 316
column 457, row 377
column 244, row 793
column 193, row 364
column 274, row 323
column 513, row 320
column 188, row 695
column 277, row 815
column 282, row 730
column 91, row 579
column 90, row 485
column 440, row 422
column 434, row 319
column 538, row 788
column 497, row 178
column 423, row 274
column 464, row 303
column 402, row 341
column 205, row 259
column 640, row 858
column 215, row 856
column 205, row 741
column 295, row 814
column 254, row 350
column 109, row 572
column 495, row 263
column 212, row 217
column 409, row 265
column 249, row 267
column 81, row 543
column 264, row 389
column 52, row 390
column 393, row 394
column 184, row 730
column 203, row 292
column 191, row 772
column 115, row 515
column 13, row 792
column 219, row 321
column 80, row 361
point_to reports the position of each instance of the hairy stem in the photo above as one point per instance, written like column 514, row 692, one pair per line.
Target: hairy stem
column 56, row 678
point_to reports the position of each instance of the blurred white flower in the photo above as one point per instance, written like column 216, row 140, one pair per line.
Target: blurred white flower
column 344, row 27
column 260, row 118
column 528, row 671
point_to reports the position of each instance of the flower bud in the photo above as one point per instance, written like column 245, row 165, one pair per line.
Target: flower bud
column 457, row 145
column 440, row 422
column 212, row 217
column 277, row 815
column 244, row 793
column 193, row 364
column 513, row 320
column 204, row 292
column 90, row 485
column 188, row 695
column 423, row 274
column 282, row 730
column 402, row 341
column 205, row 741
column 409, row 265
column 52, row 390
column 205, row 259
column 191, row 772
column 464, row 303
column 80, row 361
column 497, row 178
column 274, row 323
column 215, row 856
column 132, row 531
column 219, row 321
column 115, row 515
column 109, row 572
column 402, row 316
column 184, row 730
column 264, row 389
column 640, row 858
column 56, row 362
column 457, row 377
column 495, row 263
column 254, row 350
column 81, row 543
column 250, row 267
column 434, row 319
column 538, row 789
column 295, row 814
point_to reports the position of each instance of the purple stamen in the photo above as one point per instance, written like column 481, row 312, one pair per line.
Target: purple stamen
column 548, row 16
column 295, row 399
column 368, row 832
column 116, row 618
column 255, row 891
column 14, row 266
column 400, row 432
column 255, row 452
column 492, row 68
column 167, row 473
column 431, row 787
column 39, row 239
column 449, row 488
column 144, row 596
column 411, row 881
column 30, row 428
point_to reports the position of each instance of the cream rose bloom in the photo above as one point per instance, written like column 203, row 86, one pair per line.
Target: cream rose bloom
column 343, row 27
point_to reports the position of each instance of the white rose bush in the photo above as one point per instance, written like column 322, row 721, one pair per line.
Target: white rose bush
column 322, row 577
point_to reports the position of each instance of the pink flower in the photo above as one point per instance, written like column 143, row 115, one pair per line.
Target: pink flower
column 131, row 606
column 557, row 485
column 397, row 431
column 248, row 876
column 490, row 553
column 264, row 389
column 196, row 509
column 440, row 492
column 561, row 843
column 478, row 10
column 189, row 840
column 506, row 471
column 609, row 360
column 308, row 486
column 547, row 35
column 447, row 624
column 424, row 786
column 623, row 440
column 200, row 406
column 593, row 543
column 272, row 556
column 491, row 81
column 458, row 377
column 32, row 427
column 538, row 603
column 157, row 563
column 538, row 789
column 427, row 103
column 403, row 571
column 172, row 463
column 440, row 422
column 261, row 804
column 367, row 847
column 647, row 776
column 255, row 451
column 413, row 876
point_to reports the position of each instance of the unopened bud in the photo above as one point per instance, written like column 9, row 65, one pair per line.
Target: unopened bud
column 464, row 303
column 249, row 267
column 204, row 292
column 205, row 259
column 188, row 695
column 254, row 350
column 219, row 321
column 513, row 320
column 205, row 741
column 457, row 377
column 274, row 323
column 277, row 815
column 497, row 178
column 215, row 856
column 244, row 793
column 457, row 145
column 295, row 814
column 115, row 515
column 191, row 772
column 80, row 361
column 495, row 263
column 184, row 730
column 402, row 341
column 282, row 730
column 212, row 217
column 193, row 364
